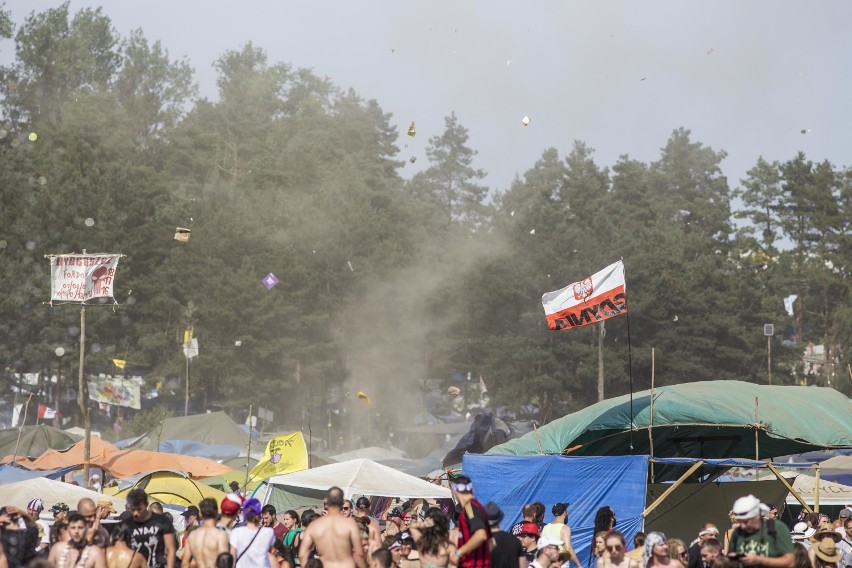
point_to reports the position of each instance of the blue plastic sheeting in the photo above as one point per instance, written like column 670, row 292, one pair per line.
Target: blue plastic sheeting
column 13, row 474
column 587, row 483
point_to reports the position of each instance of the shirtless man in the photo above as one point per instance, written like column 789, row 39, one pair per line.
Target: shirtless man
column 336, row 537
column 205, row 543
column 76, row 551
column 362, row 509
column 120, row 555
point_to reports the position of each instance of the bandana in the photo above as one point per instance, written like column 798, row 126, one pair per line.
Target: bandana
column 651, row 540
column 462, row 487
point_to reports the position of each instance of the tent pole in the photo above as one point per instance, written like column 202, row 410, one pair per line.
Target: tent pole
column 651, row 425
column 629, row 360
column 537, row 439
column 668, row 491
column 248, row 453
column 756, row 436
column 21, row 426
column 789, row 487
column 816, row 488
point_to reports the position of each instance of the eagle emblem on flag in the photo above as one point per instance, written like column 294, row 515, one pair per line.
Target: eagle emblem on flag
column 583, row 289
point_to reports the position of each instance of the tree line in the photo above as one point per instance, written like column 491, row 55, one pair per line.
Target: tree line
column 389, row 284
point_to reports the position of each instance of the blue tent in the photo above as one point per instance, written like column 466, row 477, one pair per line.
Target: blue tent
column 586, row 483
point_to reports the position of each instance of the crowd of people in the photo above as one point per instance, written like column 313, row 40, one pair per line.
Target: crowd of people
column 242, row 533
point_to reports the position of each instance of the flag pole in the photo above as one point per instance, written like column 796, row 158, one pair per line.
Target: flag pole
column 629, row 356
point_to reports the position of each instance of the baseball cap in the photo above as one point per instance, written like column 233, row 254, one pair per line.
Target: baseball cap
column 746, row 507
column 395, row 512
column 231, row 504
column 191, row 511
column 405, row 535
column 549, row 541
column 59, row 508
column 845, row 513
column 530, row 528
column 35, row 505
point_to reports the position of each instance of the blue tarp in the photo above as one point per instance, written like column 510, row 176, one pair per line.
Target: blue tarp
column 587, row 483
column 13, row 474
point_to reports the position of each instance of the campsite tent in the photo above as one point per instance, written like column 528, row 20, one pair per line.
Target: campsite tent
column 830, row 493
column 837, row 469
column 171, row 488
column 212, row 428
column 20, row 493
column 126, row 463
column 100, row 452
column 713, row 419
column 356, row 477
column 35, row 440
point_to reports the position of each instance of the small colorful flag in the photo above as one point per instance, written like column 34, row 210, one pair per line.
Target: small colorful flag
column 46, row 413
column 411, row 130
column 120, row 363
column 601, row 296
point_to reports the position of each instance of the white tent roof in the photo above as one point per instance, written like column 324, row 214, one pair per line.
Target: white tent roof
column 362, row 477
column 830, row 493
column 372, row 453
column 51, row 491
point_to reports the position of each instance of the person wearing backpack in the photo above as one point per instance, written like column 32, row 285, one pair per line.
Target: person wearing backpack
column 757, row 541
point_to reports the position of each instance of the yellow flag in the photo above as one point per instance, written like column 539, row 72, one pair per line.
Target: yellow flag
column 120, row 363
column 187, row 335
column 363, row 396
column 285, row 453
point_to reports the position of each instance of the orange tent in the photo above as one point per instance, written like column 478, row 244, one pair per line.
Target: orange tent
column 125, row 463
column 100, row 452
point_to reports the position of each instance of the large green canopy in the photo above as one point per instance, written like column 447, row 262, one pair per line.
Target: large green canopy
column 708, row 419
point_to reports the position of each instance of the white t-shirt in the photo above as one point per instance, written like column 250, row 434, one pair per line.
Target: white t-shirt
column 257, row 556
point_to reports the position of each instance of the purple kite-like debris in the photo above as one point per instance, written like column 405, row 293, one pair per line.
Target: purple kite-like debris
column 270, row 280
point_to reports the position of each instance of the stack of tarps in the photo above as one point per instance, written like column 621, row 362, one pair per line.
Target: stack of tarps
column 358, row 477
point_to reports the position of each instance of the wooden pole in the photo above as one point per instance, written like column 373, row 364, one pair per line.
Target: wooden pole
column 789, row 487
column 816, row 488
column 769, row 358
column 82, row 398
column 651, row 425
column 601, row 334
column 674, row 486
column 186, row 393
column 248, row 452
column 756, row 438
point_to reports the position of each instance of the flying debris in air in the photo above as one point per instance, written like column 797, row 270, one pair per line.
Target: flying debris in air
column 363, row 396
column 454, row 391
column 411, row 130
column 270, row 280
column 709, row 51
column 532, row 232
column 525, row 121
column 412, row 159
column 805, row 130
column 237, row 343
column 182, row 234
column 349, row 264
column 675, row 319
column 643, row 78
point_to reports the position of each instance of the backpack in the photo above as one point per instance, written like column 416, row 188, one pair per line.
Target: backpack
column 770, row 529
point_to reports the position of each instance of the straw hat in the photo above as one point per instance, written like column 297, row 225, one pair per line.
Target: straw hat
column 826, row 531
column 827, row 550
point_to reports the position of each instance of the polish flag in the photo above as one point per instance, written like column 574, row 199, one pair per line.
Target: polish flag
column 46, row 413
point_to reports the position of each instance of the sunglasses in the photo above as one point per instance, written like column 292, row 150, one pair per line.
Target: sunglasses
column 346, row 508
column 614, row 548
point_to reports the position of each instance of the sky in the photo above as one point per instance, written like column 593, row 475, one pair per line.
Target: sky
column 621, row 75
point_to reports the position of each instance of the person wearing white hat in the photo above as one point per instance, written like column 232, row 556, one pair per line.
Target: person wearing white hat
column 757, row 541
column 95, row 483
column 547, row 553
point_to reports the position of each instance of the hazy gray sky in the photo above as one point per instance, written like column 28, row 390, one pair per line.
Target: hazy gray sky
column 745, row 77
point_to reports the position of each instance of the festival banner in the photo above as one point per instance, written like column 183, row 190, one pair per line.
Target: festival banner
column 81, row 277
column 117, row 391
column 601, row 296
column 284, row 454
column 46, row 413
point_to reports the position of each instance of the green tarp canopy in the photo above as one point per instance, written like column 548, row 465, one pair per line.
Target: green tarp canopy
column 708, row 419
column 35, row 440
column 212, row 428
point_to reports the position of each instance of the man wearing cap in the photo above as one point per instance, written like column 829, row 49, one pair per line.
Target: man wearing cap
column 757, row 541
column 528, row 537
column 547, row 553
column 506, row 550
column 335, row 537
column 394, row 524
column 474, row 530
column 362, row 510
column 207, row 541
column 408, row 557
column 231, row 505
column 708, row 531
column 190, row 522
column 60, row 512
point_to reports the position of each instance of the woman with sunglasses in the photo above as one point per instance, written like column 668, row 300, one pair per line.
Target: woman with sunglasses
column 615, row 547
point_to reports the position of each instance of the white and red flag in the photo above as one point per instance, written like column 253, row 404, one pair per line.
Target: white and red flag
column 46, row 413
column 601, row 296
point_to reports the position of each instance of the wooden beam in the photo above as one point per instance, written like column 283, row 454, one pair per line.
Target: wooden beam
column 788, row 486
column 674, row 486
